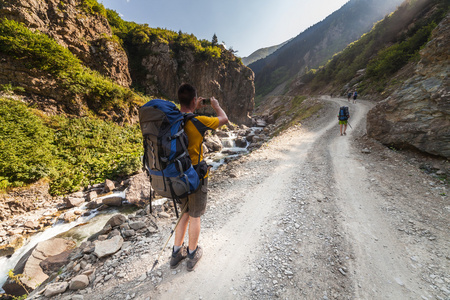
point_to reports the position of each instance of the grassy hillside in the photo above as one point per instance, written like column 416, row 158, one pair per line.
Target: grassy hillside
column 36, row 50
column 386, row 49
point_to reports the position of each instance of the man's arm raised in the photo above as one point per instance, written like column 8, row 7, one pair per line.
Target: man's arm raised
column 223, row 119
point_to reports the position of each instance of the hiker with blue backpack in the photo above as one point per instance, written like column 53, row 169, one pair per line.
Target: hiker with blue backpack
column 173, row 159
column 343, row 117
column 196, row 203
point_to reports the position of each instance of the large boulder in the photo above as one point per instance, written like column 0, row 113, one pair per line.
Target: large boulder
column 241, row 142
column 72, row 201
column 138, row 190
column 12, row 244
column 108, row 247
column 417, row 115
column 113, row 201
column 55, row 288
column 116, row 220
column 109, row 186
column 29, row 265
column 79, row 282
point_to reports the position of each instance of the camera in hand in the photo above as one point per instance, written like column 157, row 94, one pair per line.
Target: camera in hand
column 206, row 101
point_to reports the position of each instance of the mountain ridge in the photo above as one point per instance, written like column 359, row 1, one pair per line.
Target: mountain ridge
column 262, row 53
column 314, row 46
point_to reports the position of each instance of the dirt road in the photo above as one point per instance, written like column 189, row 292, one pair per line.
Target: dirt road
column 309, row 216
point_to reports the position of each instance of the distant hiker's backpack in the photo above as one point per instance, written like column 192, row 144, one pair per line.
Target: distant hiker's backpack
column 343, row 113
column 166, row 158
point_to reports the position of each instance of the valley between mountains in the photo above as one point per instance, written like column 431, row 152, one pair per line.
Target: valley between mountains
column 310, row 215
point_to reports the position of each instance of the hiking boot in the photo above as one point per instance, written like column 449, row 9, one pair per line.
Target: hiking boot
column 177, row 257
column 194, row 258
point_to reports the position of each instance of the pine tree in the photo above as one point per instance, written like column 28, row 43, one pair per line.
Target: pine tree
column 214, row 40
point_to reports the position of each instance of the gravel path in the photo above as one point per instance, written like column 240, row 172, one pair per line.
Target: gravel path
column 307, row 216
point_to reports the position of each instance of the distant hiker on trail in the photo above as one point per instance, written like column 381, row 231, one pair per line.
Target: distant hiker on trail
column 355, row 94
column 343, row 117
column 196, row 203
column 349, row 96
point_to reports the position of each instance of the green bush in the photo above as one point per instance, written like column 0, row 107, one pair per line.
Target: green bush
column 10, row 89
column 37, row 49
column 92, row 150
column 26, row 149
column 71, row 153
column 393, row 58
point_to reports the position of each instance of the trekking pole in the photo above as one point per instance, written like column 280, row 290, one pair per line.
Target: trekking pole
column 349, row 124
column 171, row 233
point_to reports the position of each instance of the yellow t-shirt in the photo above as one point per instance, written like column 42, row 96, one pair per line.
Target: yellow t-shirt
column 195, row 130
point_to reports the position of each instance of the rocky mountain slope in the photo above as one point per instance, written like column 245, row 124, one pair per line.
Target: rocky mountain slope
column 161, row 60
column 417, row 115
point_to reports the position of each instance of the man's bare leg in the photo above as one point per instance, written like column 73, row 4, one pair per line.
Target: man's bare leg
column 194, row 232
column 180, row 231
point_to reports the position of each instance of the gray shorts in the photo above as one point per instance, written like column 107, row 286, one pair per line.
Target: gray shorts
column 197, row 201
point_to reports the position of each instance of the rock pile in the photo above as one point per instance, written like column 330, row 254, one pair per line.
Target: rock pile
column 83, row 266
column 66, row 209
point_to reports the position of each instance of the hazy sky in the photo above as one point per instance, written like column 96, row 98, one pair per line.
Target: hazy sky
column 244, row 25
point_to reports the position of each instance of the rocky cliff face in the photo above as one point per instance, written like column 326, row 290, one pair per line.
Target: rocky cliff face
column 87, row 35
column 418, row 114
column 228, row 81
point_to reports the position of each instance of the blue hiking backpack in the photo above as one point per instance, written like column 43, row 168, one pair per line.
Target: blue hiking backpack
column 166, row 158
column 343, row 113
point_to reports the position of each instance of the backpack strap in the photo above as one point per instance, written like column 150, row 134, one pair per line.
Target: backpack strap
column 188, row 116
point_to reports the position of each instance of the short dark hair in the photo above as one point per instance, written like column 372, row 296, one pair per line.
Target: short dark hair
column 186, row 93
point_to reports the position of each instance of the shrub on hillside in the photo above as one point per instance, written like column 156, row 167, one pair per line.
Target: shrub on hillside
column 91, row 150
column 393, row 58
column 71, row 153
column 26, row 148
column 93, row 7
